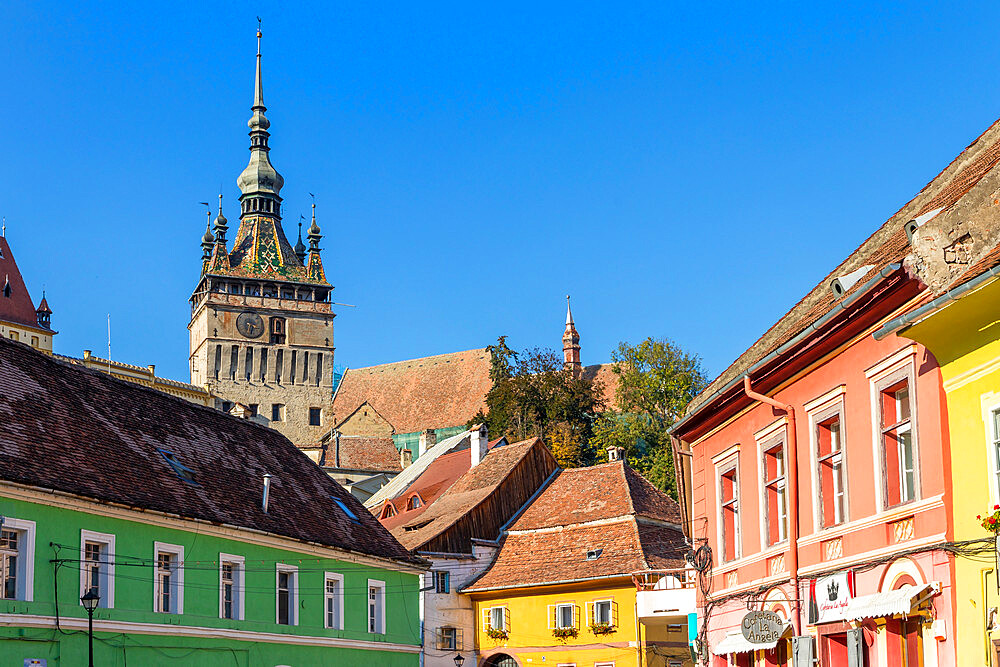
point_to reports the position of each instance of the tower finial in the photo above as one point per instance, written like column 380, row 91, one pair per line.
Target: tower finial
column 258, row 93
column 3, row 230
column 300, row 248
column 569, row 312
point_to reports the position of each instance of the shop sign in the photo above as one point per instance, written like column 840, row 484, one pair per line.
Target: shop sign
column 829, row 597
column 762, row 627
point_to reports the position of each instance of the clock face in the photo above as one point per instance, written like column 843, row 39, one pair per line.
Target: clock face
column 250, row 324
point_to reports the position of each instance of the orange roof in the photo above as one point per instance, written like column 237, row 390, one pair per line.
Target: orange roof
column 472, row 489
column 599, row 522
column 434, row 481
column 432, row 392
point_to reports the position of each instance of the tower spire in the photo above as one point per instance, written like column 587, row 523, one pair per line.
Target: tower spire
column 260, row 182
column 571, row 344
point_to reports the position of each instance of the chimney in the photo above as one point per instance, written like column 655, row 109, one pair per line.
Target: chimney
column 615, row 453
column 405, row 458
column 479, row 442
column 427, row 440
column 267, row 492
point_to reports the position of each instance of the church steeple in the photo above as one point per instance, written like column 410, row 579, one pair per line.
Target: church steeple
column 571, row 344
column 260, row 182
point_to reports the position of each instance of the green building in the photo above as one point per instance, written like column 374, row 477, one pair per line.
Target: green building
column 211, row 540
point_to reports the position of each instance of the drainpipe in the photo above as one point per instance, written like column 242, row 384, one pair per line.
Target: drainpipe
column 793, row 496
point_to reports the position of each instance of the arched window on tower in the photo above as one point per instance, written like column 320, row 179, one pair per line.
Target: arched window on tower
column 278, row 330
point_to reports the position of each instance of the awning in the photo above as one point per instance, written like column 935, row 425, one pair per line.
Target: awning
column 891, row 603
column 735, row 642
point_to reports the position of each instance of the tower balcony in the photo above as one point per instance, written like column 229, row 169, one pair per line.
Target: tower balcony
column 665, row 594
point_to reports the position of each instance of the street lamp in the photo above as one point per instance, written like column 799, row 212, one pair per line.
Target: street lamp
column 89, row 602
column 459, row 660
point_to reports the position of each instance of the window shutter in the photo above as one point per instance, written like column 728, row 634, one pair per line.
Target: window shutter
column 589, row 607
column 855, row 648
column 438, row 638
column 552, row 617
column 459, row 640
column 802, row 652
column 486, row 618
column 576, row 616
column 614, row 613
column 506, row 619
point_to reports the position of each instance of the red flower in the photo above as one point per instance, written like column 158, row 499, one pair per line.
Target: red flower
column 979, row 516
column 996, row 507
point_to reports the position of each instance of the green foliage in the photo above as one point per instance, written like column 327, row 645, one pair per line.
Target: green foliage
column 532, row 395
column 656, row 381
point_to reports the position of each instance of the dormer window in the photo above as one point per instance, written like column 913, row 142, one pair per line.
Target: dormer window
column 388, row 511
column 413, row 502
column 346, row 510
column 179, row 468
column 594, row 554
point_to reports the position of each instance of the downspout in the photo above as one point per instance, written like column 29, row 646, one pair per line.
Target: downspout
column 793, row 496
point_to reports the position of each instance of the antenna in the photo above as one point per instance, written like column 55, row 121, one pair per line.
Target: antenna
column 334, row 303
column 109, row 343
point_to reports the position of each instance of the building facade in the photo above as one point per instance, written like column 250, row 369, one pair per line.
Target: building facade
column 261, row 330
column 206, row 537
column 822, row 476
column 591, row 573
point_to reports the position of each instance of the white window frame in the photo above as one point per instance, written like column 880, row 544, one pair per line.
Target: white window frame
column 293, row 593
column 723, row 466
column 559, row 607
column 176, row 577
column 338, row 601
column 611, row 610
column 379, row 607
column 25, row 589
column 901, row 368
column 239, row 586
column 818, row 413
column 504, row 617
column 108, row 575
column 774, row 440
column 990, row 403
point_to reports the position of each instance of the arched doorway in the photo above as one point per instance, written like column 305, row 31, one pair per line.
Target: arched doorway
column 500, row 660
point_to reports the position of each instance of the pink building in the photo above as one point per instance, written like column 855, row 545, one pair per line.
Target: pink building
column 812, row 470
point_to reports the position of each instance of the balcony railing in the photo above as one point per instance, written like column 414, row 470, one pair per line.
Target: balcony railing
column 665, row 593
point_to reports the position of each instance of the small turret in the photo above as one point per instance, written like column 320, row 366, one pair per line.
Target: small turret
column 300, row 247
column 44, row 313
column 208, row 240
column 221, row 226
column 313, row 234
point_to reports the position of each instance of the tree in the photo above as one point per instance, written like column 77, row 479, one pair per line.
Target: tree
column 656, row 381
column 533, row 395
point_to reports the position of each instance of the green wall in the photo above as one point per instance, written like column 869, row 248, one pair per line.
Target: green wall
column 134, row 600
column 411, row 441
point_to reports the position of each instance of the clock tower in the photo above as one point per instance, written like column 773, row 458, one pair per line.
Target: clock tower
column 261, row 324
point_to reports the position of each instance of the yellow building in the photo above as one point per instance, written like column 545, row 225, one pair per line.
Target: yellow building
column 591, row 574
column 962, row 329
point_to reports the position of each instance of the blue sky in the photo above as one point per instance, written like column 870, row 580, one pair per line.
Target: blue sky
column 684, row 170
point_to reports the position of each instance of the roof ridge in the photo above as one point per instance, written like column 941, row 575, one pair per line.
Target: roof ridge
column 409, row 361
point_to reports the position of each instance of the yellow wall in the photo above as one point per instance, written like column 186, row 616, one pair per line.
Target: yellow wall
column 532, row 642
column 965, row 339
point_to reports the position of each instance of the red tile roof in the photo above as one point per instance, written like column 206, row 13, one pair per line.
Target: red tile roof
column 441, row 474
column 98, row 437
column 474, row 489
column 431, row 392
column 608, row 509
column 605, row 375
column 887, row 245
column 17, row 307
